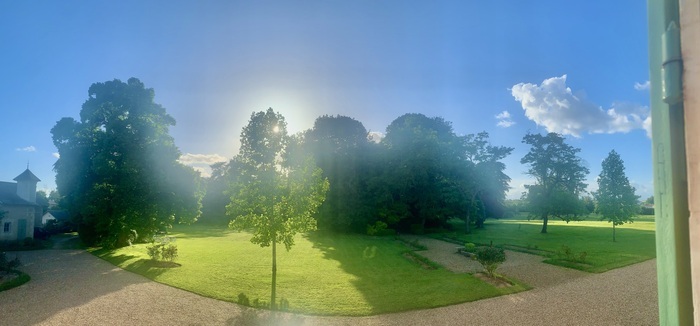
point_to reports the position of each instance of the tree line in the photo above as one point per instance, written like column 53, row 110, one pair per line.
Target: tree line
column 120, row 179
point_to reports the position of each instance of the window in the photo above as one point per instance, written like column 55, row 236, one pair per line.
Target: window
column 6, row 227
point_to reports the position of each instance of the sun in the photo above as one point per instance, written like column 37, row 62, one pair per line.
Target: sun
column 276, row 129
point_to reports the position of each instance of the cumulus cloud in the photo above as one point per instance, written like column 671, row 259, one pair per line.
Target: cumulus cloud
column 504, row 119
column 375, row 136
column 647, row 126
column 201, row 162
column 643, row 86
column 554, row 106
column 26, row 149
column 56, row 155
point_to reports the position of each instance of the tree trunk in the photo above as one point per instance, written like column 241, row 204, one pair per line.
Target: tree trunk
column 466, row 229
column 613, row 232
column 274, row 274
column 545, row 218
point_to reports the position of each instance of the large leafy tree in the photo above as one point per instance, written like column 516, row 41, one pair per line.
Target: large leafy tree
column 339, row 146
column 617, row 202
column 279, row 188
column 486, row 182
column 421, row 156
column 559, row 174
column 118, row 170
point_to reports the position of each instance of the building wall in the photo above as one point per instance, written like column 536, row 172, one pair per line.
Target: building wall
column 12, row 215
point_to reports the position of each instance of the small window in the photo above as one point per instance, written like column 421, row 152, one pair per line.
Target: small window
column 6, row 227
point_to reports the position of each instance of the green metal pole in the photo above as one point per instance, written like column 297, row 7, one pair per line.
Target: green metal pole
column 670, row 181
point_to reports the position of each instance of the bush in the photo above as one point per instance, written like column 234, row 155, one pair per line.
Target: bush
column 8, row 265
column 417, row 229
column 377, row 228
column 469, row 247
column 243, row 299
column 490, row 258
column 163, row 250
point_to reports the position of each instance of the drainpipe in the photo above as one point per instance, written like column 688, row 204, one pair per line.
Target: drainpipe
column 669, row 159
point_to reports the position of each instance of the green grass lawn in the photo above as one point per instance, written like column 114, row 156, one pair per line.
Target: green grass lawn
column 323, row 274
column 635, row 241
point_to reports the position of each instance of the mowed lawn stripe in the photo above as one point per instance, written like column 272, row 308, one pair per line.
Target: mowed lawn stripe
column 323, row 274
column 635, row 241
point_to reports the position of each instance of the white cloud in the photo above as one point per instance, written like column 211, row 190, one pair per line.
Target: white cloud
column 201, row 162
column 504, row 119
column 517, row 187
column 375, row 136
column 26, row 149
column 554, row 106
column 56, row 155
column 643, row 86
column 647, row 126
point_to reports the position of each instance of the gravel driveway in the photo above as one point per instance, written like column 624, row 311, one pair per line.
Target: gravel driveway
column 72, row 287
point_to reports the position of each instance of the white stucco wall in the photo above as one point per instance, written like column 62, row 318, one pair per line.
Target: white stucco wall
column 13, row 214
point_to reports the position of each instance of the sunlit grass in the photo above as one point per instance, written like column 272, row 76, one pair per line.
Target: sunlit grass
column 635, row 241
column 324, row 274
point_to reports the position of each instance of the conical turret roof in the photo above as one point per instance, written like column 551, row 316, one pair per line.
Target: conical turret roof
column 26, row 176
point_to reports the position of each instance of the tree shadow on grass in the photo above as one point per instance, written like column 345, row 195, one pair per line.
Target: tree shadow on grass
column 145, row 267
column 387, row 280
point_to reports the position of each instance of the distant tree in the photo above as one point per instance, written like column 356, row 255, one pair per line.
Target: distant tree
column 559, row 174
column 42, row 200
column 650, row 200
column 118, row 168
column 589, row 204
column 54, row 199
column 617, row 202
column 279, row 189
column 217, row 195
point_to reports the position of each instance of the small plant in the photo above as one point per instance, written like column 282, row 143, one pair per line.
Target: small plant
column 284, row 304
column 490, row 258
column 377, row 228
column 568, row 254
column 582, row 256
column 8, row 265
column 243, row 299
column 470, row 247
column 163, row 250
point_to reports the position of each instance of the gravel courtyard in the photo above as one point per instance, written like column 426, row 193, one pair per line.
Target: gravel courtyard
column 72, row 287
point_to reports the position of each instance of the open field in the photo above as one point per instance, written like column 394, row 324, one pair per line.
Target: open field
column 322, row 274
column 635, row 242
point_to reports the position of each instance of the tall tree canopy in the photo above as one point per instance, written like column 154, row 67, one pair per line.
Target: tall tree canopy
column 617, row 202
column 339, row 146
column 559, row 174
column 279, row 188
column 420, row 152
column 118, row 170
column 486, row 179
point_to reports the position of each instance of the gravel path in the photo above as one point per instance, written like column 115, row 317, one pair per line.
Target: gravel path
column 524, row 267
column 72, row 287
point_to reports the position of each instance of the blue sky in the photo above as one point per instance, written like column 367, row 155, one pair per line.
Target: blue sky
column 505, row 67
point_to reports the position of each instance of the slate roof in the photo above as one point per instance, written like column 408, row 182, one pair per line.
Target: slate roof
column 27, row 175
column 8, row 195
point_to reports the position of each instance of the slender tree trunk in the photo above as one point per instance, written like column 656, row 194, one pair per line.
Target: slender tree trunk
column 613, row 232
column 274, row 274
column 466, row 229
column 545, row 218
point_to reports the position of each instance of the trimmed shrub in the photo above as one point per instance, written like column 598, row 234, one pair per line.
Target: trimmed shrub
column 469, row 247
column 163, row 250
column 8, row 265
column 490, row 258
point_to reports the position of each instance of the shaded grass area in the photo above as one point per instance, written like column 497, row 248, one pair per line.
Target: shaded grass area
column 323, row 274
column 14, row 282
column 635, row 242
